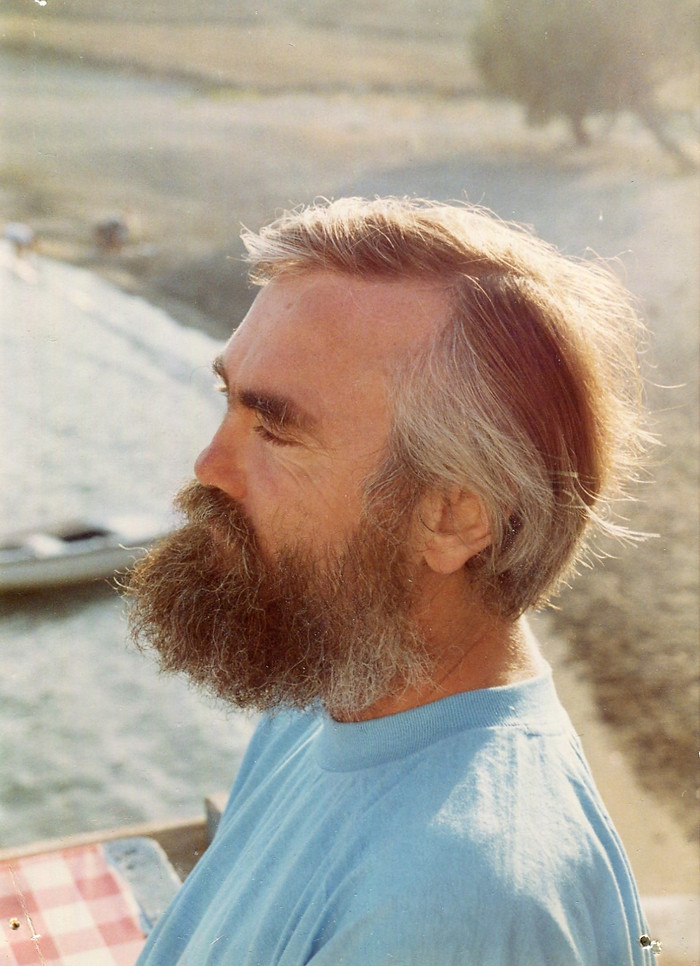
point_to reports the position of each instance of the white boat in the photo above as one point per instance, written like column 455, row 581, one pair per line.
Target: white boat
column 75, row 552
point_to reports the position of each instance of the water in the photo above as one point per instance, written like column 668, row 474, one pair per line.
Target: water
column 104, row 403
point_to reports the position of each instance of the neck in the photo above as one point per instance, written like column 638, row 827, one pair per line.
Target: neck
column 472, row 649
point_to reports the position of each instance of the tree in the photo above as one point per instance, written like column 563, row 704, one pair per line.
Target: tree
column 574, row 58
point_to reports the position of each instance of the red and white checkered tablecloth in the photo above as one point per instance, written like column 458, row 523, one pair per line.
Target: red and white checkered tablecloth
column 70, row 907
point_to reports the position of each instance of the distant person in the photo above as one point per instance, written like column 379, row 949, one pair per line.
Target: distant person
column 21, row 237
column 111, row 235
column 427, row 411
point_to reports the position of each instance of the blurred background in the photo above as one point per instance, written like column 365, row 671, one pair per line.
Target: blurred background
column 136, row 139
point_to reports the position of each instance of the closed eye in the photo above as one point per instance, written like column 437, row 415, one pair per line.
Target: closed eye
column 270, row 437
column 261, row 429
column 281, row 420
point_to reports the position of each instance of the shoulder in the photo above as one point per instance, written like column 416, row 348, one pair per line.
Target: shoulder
column 457, row 887
column 504, row 852
column 518, row 810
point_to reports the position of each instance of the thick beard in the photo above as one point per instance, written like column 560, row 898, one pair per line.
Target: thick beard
column 289, row 633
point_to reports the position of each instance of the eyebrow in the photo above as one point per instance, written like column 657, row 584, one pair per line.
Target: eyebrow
column 277, row 409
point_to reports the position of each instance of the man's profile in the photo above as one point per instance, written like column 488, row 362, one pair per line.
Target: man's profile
column 428, row 413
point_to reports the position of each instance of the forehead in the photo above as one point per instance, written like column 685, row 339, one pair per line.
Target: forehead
column 331, row 342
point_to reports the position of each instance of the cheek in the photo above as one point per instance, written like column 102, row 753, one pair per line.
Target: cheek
column 298, row 495
column 283, row 497
column 312, row 509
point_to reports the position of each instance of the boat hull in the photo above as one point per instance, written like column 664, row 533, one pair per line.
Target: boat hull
column 75, row 553
column 76, row 568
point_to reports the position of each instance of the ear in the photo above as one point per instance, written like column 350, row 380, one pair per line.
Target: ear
column 455, row 527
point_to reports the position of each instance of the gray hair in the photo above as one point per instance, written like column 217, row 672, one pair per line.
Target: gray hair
column 529, row 397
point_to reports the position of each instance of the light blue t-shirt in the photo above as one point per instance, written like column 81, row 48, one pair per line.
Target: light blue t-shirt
column 467, row 831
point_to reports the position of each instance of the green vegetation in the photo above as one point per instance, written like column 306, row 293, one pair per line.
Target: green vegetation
column 576, row 58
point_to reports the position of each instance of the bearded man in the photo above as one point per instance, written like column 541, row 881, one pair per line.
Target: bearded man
column 427, row 413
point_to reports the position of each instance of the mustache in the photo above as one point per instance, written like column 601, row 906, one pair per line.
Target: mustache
column 207, row 507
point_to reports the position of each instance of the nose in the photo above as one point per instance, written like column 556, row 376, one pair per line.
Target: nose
column 219, row 464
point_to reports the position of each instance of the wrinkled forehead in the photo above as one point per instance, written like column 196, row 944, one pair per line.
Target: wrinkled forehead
column 330, row 344
column 350, row 325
